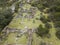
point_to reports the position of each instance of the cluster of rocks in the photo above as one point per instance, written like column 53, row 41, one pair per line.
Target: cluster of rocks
column 29, row 13
column 19, row 32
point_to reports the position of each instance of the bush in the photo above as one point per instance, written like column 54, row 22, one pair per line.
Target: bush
column 38, row 5
column 42, row 31
column 58, row 34
column 47, row 25
column 57, row 16
column 57, row 24
column 43, row 19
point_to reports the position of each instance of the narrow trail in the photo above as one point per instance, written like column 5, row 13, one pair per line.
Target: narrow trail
column 30, row 36
column 29, row 42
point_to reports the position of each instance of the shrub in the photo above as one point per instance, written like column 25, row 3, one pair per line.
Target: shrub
column 42, row 31
column 43, row 19
column 58, row 34
column 47, row 25
column 57, row 24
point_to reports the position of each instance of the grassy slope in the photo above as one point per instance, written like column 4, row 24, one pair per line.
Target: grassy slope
column 36, row 40
column 15, row 23
column 53, row 40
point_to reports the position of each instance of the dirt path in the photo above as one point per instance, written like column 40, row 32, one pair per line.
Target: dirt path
column 30, row 36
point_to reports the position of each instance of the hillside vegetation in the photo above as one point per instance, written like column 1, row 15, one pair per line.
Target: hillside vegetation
column 29, row 22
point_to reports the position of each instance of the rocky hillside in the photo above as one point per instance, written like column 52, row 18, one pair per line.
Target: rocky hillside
column 33, row 23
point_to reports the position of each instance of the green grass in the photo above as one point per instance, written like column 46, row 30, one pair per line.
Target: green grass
column 53, row 39
column 16, row 23
column 12, row 39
